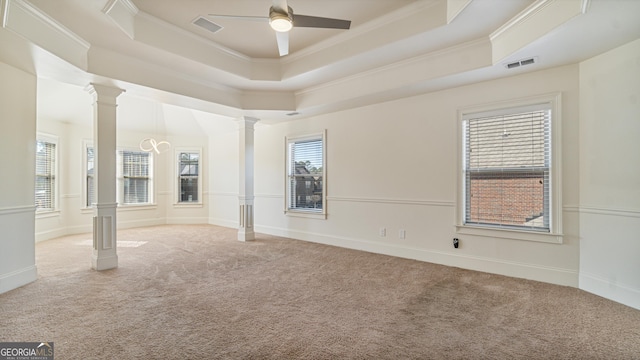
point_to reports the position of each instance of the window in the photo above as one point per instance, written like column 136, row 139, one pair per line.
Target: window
column 89, row 180
column 45, row 187
column 188, row 176
column 135, row 178
column 306, row 174
column 134, row 172
column 509, row 177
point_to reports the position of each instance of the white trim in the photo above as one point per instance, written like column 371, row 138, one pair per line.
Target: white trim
column 51, row 234
column 552, row 101
column 43, row 214
column 622, row 293
column 393, row 201
column 224, row 222
column 187, row 220
column 48, row 21
column 303, row 212
column 553, row 275
column 137, row 207
column 530, row 11
column 17, row 278
column 176, row 176
column 609, row 211
column 505, row 233
column 17, row 210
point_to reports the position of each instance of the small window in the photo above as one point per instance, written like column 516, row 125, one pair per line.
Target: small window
column 306, row 174
column 510, row 177
column 135, row 180
column 90, row 178
column 45, row 187
column 188, row 176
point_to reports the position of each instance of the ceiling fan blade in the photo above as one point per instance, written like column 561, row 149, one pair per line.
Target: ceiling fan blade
column 320, row 22
column 281, row 5
column 283, row 42
column 238, row 17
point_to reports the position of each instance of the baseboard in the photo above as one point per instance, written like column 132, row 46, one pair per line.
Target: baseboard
column 18, row 278
column 140, row 223
column 223, row 222
column 546, row 274
column 609, row 290
column 187, row 220
column 51, row 234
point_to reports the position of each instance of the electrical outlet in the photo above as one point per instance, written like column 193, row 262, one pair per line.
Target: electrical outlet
column 402, row 234
column 456, row 243
column 383, row 232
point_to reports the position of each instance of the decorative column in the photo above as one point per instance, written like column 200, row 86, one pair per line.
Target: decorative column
column 245, row 194
column 104, row 149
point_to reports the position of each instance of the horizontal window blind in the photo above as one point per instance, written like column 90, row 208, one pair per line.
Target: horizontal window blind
column 135, row 171
column 45, row 175
column 305, row 172
column 507, row 165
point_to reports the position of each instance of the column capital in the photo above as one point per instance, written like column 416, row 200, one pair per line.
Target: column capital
column 247, row 121
column 104, row 92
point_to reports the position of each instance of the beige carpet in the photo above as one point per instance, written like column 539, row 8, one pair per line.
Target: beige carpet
column 194, row 292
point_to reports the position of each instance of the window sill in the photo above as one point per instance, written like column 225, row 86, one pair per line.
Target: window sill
column 306, row 214
column 136, row 207
column 511, row 234
column 188, row 205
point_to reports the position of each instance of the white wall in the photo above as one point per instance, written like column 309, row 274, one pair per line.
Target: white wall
column 224, row 170
column 17, row 178
column 610, row 174
column 393, row 165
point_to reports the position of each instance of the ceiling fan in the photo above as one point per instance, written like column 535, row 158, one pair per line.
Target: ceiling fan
column 282, row 19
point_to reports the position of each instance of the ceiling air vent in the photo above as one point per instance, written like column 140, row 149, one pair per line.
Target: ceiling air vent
column 207, row 24
column 519, row 63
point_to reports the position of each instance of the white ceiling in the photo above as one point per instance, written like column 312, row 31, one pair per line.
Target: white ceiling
column 394, row 48
column 254, row 39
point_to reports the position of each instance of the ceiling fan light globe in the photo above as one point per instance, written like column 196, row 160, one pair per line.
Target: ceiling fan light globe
column 280, row 23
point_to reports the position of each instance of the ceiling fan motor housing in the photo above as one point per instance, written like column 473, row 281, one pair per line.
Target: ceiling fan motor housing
column 279, row 20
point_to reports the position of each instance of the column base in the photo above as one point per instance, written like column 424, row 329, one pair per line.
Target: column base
column 246, row 235
column 104, row 262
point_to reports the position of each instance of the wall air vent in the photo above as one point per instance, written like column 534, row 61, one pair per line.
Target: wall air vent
column 519, row 63
column 207, row 24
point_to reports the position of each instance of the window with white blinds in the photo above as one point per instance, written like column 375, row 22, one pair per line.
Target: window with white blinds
column 135, row 177
column 507, row 165
column 45, row 187
column 188, row 176
column 306, row 174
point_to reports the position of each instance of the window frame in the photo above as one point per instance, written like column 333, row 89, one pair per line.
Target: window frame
column 177, row 176
column 120, row 178
column 300, row 212
column 555, row 180
column 55, row 198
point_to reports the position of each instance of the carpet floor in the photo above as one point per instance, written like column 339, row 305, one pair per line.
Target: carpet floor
column 194, row 292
